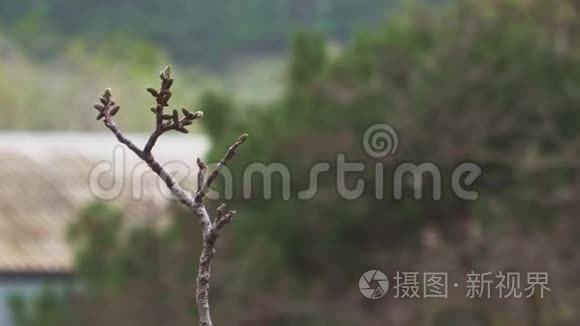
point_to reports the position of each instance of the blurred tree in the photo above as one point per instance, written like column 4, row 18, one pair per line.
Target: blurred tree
column 492, row 83
column 50, row 308
column 188, row 29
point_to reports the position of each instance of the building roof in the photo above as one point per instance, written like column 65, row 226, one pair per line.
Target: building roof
column 46, row 178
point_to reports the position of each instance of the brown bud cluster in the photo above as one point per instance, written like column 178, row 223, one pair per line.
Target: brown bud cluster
column 162, row 96
column 165, row 121
column 106, row 106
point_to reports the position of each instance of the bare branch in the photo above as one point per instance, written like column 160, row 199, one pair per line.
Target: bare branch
column 113, row 127
column 201, row 174
column 107, row 108
column 229, row 155
column 210, row 231
column 204, row 271
column 223, row 218
column 210, row 234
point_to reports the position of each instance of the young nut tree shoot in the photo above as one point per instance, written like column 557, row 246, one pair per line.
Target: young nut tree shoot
column 168, row 120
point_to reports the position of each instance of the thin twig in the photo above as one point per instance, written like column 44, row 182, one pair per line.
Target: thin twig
column 229, row 155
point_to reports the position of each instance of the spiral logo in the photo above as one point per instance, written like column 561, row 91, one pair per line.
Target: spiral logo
column 380, row 140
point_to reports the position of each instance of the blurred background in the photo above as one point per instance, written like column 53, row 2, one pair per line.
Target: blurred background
column 495, row 83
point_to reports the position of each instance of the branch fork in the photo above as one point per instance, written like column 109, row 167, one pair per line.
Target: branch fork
column 164, row 122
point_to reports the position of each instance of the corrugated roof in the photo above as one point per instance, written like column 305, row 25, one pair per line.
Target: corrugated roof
column 44, row 181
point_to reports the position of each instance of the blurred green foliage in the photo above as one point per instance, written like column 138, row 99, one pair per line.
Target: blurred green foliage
column 49, row 308
column 495, row 83
column 191, row 31
column 56, row 93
